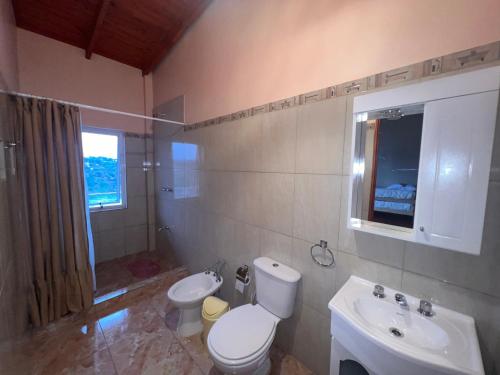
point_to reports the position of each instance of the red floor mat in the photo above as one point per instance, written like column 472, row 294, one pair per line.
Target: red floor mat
column 144, row 268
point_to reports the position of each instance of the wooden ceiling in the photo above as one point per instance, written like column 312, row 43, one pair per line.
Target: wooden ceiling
column 139, row 33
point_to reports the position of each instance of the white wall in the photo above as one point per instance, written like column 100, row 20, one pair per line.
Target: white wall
column 8, row 47
column 243, row 53
column 54, row 69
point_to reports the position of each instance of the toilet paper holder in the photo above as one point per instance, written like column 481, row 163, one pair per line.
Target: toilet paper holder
column 242, row 274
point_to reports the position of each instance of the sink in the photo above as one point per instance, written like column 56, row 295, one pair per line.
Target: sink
column 416, row 329
column 386, row 338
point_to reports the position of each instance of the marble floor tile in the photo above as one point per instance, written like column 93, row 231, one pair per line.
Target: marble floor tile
column 153, row 290
column 99, row 362
column 198, row 352
column 132, row 323
column 152, row 354
column 114, row 274
column 130, row 335
column 284, row 364
column 57, row 349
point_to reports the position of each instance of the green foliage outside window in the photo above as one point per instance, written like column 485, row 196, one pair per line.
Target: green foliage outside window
column 102, row 175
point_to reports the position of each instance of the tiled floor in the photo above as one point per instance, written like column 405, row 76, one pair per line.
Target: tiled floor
column 114, row 274
column 134, row 334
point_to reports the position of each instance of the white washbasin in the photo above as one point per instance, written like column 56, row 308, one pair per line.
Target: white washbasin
column 363, row 324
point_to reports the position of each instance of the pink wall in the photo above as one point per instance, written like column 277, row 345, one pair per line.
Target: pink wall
column 8, row 54
column 58, row 70
column 242, row 53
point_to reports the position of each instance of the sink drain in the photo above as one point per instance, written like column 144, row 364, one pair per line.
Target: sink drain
column 396, row 332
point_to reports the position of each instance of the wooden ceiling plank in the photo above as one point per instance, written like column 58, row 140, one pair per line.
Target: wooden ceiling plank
column 139, row 33
column 97, row 26
column 170, row 42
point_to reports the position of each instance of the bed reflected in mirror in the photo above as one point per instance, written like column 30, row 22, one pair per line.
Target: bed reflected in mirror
column 387, row 154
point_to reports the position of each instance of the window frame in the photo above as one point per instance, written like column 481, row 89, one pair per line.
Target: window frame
column 121, row 163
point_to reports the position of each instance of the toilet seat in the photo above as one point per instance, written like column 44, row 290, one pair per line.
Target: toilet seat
column 242, row 335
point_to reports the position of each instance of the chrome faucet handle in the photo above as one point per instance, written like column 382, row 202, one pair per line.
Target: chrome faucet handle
column 217, row 276
column 425, row 308
column 378, row 291
column 401, row 299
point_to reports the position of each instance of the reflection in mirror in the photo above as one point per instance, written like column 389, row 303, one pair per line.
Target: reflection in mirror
column 387, row 153
column 186, row 153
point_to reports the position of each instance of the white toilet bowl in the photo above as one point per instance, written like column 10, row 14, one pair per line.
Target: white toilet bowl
column 240, row 340
column 188, row 295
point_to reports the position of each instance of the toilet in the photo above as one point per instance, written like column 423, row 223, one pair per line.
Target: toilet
column 240, row 340
column 188, row 295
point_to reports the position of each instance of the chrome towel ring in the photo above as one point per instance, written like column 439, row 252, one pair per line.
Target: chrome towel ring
column 323, row 257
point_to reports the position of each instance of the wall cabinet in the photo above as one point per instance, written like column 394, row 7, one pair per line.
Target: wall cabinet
column 421, row 160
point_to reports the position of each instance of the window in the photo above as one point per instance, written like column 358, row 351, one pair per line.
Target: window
column 104, row 165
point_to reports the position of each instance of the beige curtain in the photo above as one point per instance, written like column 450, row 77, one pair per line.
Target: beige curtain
column 53, row 177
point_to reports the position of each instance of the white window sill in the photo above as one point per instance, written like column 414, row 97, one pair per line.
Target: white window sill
column 110, row 207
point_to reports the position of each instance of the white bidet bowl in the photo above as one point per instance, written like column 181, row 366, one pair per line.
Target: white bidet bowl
column 188, row 295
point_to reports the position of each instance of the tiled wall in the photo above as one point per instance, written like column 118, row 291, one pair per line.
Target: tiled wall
column 273, row 184
column 125, row 231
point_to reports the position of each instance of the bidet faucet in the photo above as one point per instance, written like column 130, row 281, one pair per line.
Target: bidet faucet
column 216, row 269
column 401, row 300
column 217, row 276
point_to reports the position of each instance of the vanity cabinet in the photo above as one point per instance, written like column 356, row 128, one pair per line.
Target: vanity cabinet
column 421, row 160
column 457, row 143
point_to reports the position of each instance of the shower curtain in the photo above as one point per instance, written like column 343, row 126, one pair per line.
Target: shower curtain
column 50, row 140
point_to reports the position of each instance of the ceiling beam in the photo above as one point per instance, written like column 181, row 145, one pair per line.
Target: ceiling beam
column 97, row 27
column 168, row 43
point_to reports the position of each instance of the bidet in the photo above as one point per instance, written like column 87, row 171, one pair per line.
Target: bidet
column 188, row 295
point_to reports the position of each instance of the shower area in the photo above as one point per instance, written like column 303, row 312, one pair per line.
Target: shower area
column 127, row 200
column 121, row 196
column 131, row 216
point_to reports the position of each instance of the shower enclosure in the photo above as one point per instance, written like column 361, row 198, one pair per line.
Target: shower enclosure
column 129, row 245
column 170, row 182
column 43, row 240
column 130, row 225
column 145, row 236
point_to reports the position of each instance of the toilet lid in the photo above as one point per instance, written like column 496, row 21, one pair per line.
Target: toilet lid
column 242, row 332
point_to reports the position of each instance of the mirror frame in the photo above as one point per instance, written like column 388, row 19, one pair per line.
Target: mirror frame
column 415, row 93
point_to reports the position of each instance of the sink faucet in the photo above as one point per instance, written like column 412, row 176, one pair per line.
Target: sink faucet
column 425, row 308
column 401, row 300
column 378, row 291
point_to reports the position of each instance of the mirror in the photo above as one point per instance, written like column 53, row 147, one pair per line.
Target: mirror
column 386, row 164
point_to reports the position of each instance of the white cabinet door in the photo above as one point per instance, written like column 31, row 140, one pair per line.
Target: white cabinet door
column 455, row 158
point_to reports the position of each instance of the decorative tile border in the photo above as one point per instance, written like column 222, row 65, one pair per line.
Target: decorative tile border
column 473, row 57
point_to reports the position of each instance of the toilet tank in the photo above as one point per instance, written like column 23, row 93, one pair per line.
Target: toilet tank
column 276, row 286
